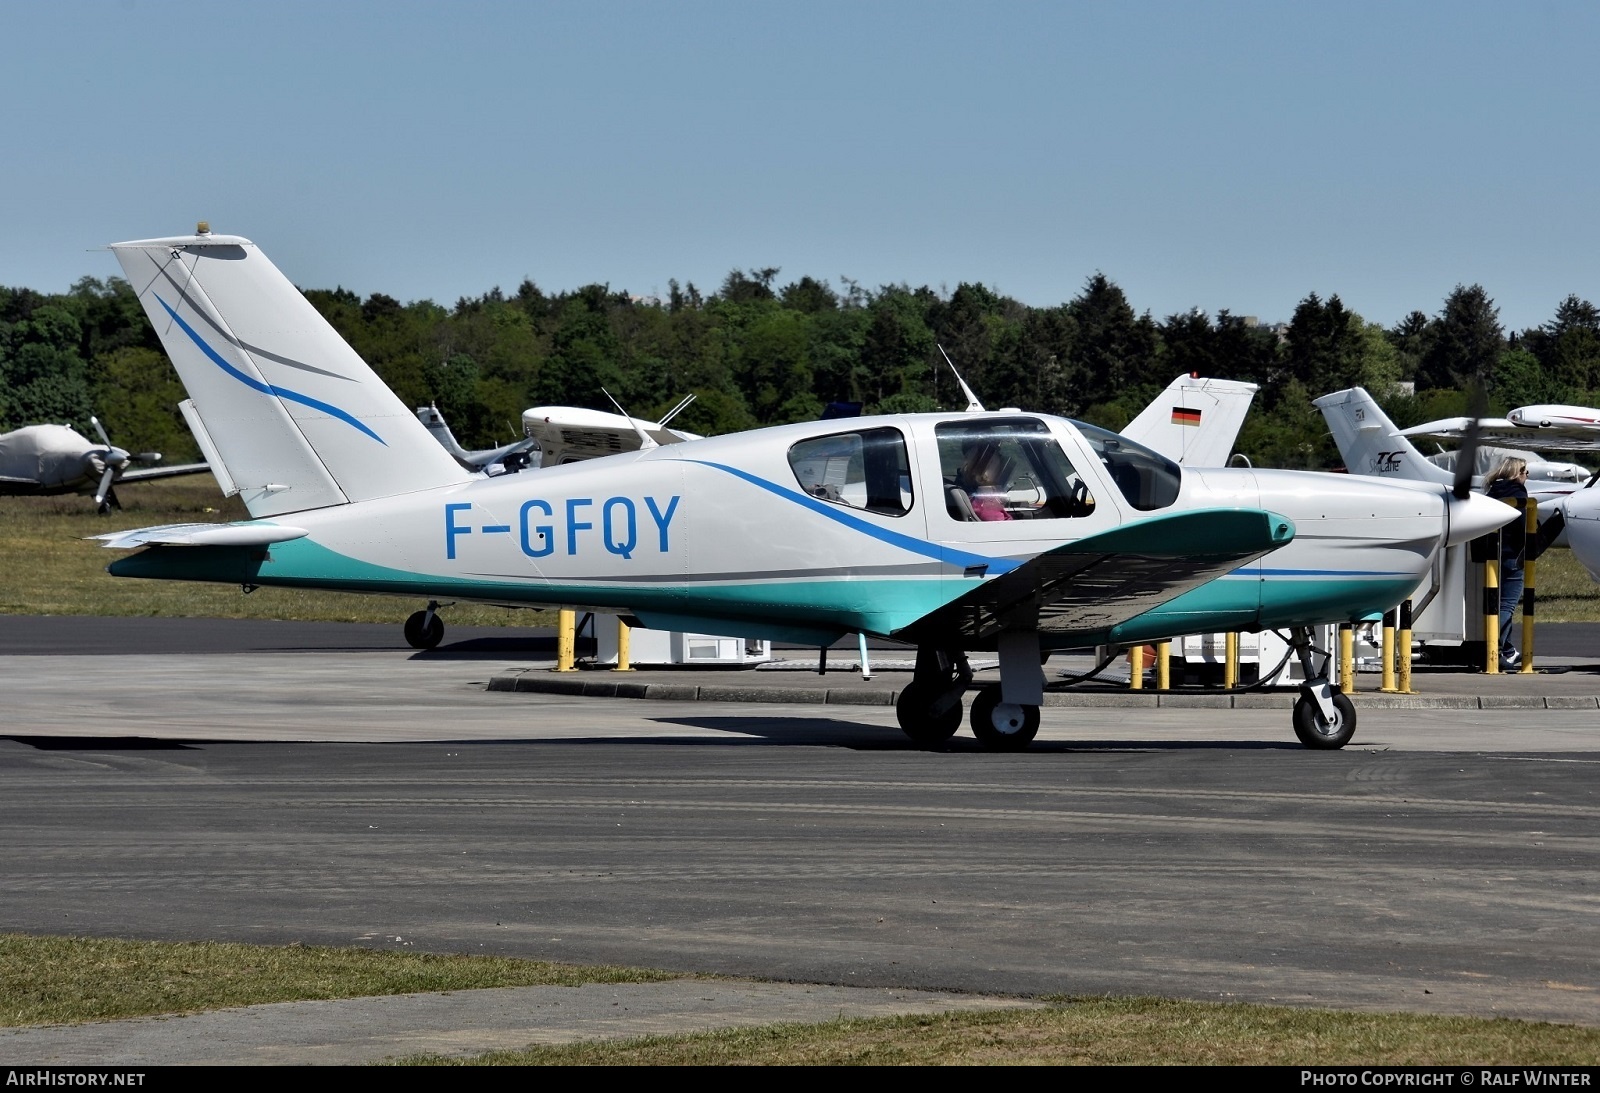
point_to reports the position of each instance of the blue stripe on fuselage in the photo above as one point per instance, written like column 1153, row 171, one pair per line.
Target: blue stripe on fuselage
column 996, row 566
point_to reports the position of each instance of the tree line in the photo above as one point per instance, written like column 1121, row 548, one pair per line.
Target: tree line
column 760, row 352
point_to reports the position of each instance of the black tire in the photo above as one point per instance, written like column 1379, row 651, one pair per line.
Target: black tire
column 1315, row 733
column 1001, row 726
column 914, row 710
column 421, row 633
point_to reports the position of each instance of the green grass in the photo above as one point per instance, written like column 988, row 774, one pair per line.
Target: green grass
column 1119, row 1032
column 61, row 980
column 46, row 567
column 55, row 980
column 1566, row 591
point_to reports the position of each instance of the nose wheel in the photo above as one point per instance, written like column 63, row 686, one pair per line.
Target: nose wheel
column 1003, row 726
column 1316, row 730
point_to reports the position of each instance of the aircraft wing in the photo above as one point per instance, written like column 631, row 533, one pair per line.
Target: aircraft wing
column 7, row 480
column 1556, row 438
column 162, row 472
column 1089, row 586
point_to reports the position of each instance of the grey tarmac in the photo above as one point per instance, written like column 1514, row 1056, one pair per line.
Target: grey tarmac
column 1443, row 863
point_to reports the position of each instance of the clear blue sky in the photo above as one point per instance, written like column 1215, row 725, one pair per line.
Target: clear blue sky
column 1225, row 155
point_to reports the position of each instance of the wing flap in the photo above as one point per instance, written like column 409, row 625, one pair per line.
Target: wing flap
column 1091, row 585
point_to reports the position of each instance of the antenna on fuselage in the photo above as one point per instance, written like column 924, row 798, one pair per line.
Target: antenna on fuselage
column 973, row 405
column 672, row 413
column 646, row 441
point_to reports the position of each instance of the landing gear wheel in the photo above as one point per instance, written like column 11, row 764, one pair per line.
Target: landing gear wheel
column 423, row 632
column 1314, row 732
column 1003, row 726
column 914, row 710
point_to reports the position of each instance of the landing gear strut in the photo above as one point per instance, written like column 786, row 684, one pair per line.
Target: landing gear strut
column 929, row 709
column 425, row 629
column 1324, row 718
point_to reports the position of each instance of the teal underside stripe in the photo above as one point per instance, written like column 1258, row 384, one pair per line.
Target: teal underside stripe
column 875, row 605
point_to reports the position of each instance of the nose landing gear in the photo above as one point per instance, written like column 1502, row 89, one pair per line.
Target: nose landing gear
column 1324, row 717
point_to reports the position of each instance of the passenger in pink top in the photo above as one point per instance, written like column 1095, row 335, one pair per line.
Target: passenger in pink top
column 981, row 477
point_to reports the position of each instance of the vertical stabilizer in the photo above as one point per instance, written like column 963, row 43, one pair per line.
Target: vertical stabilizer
column 1370, row 444
column 294, row 414
column 1194, row 421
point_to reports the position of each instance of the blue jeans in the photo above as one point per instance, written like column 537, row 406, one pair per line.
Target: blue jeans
column 1511, row 578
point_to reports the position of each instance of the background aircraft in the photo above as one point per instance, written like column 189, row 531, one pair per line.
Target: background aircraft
column 51, row 459
column 1195, row 420
column 1371, row 444
column 802, row 532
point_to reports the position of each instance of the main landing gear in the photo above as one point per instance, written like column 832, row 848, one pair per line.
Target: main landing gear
column 1005, row 715
column 929, row 709
column 1324, row 718
column 425, row 629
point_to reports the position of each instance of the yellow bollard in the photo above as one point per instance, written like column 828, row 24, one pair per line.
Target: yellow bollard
column 566, row 640
column 1136, row 668
column 1491, row 616
column 1163, row 666
column 1387, row 653
column 1403, row 650
column 623, row 665
column 1230, row 660
column 1347, row 658
column 1532, row 527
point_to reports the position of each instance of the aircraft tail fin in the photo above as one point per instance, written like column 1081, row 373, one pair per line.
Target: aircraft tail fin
column 1194, row 421
column 294, row 416
column 1369, row 443
column 439, row 429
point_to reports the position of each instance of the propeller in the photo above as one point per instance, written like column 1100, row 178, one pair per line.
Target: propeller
column 1472, row 515
column 110, row 463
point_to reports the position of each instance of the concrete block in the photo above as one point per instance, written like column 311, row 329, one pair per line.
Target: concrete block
column 1571, row 702
column 842, row 697
column 1265, row 700
column 672, row 692
column 549, row 684
column 1511, row 702
column 797, row 695
column 1414, row 702
column 1100, row 700
column 1195, row 702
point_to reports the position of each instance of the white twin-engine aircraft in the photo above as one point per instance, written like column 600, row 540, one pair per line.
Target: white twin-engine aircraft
column 1009, row 531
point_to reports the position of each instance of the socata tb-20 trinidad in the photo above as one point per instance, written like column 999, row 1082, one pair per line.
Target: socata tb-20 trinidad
column 1009, row 531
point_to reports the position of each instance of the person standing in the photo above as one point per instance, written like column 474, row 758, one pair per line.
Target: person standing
column 1508, row 481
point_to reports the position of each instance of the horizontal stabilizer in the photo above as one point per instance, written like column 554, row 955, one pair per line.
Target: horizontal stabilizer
column 236, row 535
column 1087, row 587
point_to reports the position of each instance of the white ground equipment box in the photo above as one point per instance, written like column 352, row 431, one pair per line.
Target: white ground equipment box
column 650, row 647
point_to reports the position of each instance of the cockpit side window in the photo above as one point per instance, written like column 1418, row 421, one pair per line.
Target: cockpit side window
column 1148, row 480
column 1008, row 469
column 865, row 469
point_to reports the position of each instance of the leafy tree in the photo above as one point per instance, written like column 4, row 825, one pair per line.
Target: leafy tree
column 1465, row 341
column 1114, row 348
column 1568, row 351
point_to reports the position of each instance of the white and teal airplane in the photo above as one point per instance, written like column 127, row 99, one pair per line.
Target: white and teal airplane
column 1015, row 532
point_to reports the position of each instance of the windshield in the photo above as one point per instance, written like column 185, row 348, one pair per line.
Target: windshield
column 1148, row 480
